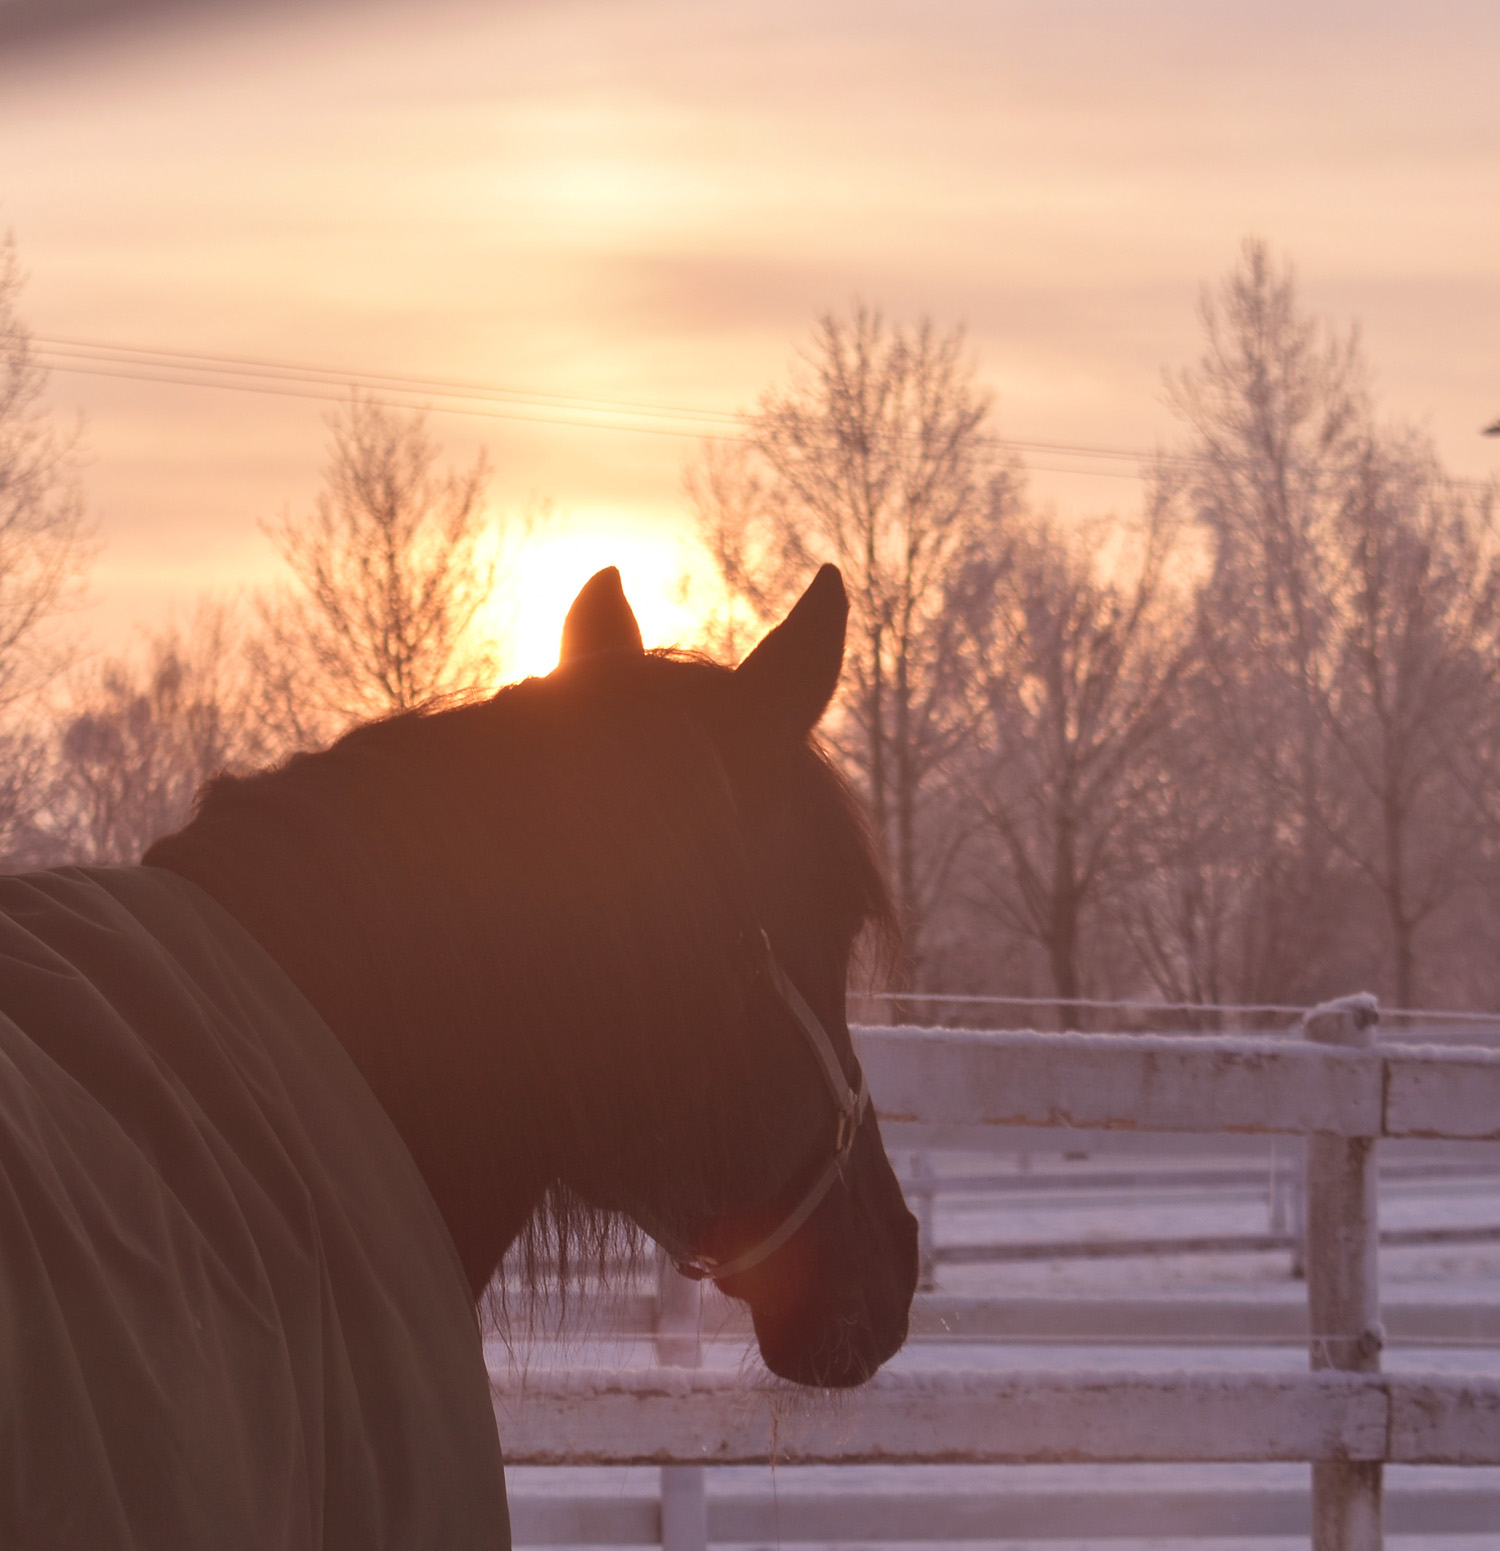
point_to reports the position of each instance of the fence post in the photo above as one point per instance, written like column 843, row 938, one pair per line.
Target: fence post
column 1343, row 1286
column 1287, row 1199
column 920, row 1191
column 1296, row 1191
column 684, row 1505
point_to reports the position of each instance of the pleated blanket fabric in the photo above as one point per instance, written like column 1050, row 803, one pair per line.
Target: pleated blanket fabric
column 230, row 1314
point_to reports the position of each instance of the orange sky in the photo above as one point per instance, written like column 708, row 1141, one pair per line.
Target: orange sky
column 648, row 202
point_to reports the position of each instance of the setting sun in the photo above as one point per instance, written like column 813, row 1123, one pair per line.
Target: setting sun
column 546, row 572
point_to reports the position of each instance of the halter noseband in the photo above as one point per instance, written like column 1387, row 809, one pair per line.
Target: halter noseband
column 850, row 1103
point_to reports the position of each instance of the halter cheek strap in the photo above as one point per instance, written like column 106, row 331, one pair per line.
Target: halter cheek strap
column 850, row 1103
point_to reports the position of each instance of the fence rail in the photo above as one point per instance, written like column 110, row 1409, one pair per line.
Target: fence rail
column 1346, row 1417
column 1025, row 1515
column 965, row 1082
column 692, row 1416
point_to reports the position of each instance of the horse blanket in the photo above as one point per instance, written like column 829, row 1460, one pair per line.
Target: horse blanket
column 230, row 1314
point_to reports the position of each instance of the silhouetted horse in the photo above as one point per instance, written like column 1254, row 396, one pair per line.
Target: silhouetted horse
column 273, row 1106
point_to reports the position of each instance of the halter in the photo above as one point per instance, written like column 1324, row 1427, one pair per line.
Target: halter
column 850, row 1103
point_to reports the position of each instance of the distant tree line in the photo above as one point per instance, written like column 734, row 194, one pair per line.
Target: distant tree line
column 378, row 612
column 1237, row 745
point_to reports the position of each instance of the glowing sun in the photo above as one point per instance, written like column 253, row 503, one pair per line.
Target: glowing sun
column 543, row 577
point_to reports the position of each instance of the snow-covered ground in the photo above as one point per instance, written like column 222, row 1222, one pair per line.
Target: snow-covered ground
column 1087, row 1208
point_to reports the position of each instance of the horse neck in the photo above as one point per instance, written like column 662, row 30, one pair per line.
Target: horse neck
column 416, row 1006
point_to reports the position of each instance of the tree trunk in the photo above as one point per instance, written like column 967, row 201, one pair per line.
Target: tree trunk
column 1062, row 941
column 876, row 718
column 906, row 819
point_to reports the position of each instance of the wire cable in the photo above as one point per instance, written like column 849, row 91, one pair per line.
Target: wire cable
column 289, row 379
column 1106, row 1005
column 496, row 401
column 70, row 351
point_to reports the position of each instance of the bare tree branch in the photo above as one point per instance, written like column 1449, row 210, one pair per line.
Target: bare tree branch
column 872, row 456
column 45, row 542
column 142, row 733
column 390, row 571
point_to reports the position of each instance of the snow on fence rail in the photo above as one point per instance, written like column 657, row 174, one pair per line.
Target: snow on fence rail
column 958, row 1081
column 1345, row 1417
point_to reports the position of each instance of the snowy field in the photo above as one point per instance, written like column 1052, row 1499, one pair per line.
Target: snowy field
column 1072, row 1201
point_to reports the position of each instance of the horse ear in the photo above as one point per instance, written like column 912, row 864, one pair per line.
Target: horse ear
column 600, row 620
column 788, row 680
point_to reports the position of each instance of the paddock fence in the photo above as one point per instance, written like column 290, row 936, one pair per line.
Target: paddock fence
column 1334, row 1089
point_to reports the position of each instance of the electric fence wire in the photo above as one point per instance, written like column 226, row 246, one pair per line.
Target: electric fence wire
column 1104, row 1004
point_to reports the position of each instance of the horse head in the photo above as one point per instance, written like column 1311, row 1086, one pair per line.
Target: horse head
column 776, row 1185
column 587, row 943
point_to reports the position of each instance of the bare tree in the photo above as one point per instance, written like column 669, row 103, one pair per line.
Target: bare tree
column 1416, row 609
column 26, row 840
column 45, row 545
column 143, row 734
column 1203, row 908
column 44, row 539
column 390, row 571
column 873, row 456
column 1278, row 414
column 1349, row 632
column 1084, row 639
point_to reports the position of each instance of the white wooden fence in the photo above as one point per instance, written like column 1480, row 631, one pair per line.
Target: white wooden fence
column 1345, row 1417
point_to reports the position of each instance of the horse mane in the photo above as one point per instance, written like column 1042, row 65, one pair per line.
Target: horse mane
column 584, row 797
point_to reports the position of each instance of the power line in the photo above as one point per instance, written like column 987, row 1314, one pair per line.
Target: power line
column 333, row 376
column 493, row 401
column 329, row 396
column 317, row 390
column 288, row 379
column 328, row 385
